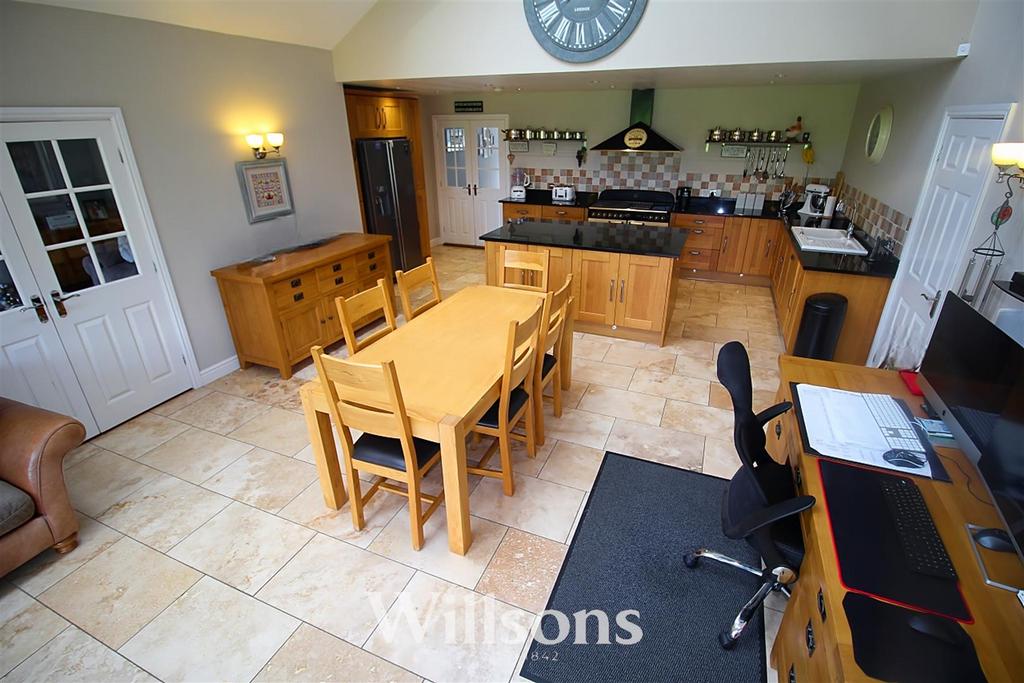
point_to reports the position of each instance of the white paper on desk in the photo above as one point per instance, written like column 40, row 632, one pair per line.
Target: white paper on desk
column 839, row 425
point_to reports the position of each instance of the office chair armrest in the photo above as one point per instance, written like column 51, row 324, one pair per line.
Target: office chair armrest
column 771, row 413
column 769, row 515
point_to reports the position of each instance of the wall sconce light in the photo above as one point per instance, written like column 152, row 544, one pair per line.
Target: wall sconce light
column 255, row 141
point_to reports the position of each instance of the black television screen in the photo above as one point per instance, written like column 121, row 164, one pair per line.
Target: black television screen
column 973, row 376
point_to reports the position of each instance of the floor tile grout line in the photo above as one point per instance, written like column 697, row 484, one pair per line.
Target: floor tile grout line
column 35, row 601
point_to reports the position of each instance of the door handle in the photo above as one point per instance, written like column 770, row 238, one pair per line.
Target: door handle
column 38, row 307
column 611, row 290
column 474, row 189
column 622, row 290
column 469, row 189
column 934, row 300
column 58, row 301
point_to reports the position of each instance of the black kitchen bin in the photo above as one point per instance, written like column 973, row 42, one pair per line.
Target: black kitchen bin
column 820, row 326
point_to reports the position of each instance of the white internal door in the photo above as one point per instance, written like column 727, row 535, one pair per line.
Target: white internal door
column 80, row 223
column 938, row 239
column 472, row 175
column 34, row 368
column 490, row 178
column 454, row 187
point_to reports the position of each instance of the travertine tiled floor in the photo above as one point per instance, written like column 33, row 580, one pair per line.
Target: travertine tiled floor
column 207, row 553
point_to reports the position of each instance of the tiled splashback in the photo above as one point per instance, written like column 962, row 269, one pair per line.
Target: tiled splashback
column 876, row 218
column 656, row 171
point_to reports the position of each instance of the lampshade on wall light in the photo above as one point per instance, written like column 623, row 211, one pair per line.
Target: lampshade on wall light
column 255, row 141
column 1005, row 154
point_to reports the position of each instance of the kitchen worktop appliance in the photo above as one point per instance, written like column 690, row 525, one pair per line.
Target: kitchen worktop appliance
column 815, row 197
column 520, row 181
column 636, row 207
column 563, row 194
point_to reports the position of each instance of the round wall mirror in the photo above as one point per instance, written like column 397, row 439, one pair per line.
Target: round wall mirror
column 878, row 134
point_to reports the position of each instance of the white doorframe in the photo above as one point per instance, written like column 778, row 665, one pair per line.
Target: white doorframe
column 1002, row 111
column 116, row 118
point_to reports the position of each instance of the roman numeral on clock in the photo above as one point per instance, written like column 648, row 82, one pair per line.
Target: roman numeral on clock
column 598, row 29
column 548, row 13
column 562, row 32
column 580, row 39
column 618, row 10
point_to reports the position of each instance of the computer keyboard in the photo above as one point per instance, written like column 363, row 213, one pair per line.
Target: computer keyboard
column 922, row 546
column 895, row 426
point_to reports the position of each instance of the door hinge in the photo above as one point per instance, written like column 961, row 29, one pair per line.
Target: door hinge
column 120, row 155
column 183, row 361
column 155, row 269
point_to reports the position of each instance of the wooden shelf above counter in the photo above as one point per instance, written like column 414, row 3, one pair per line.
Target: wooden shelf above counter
column 277, row 310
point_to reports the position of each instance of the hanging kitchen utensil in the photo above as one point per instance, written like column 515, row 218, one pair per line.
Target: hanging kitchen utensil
column 780, row 170
column 746, row 163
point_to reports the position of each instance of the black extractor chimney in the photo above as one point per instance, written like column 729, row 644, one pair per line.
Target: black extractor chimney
column 639, row 137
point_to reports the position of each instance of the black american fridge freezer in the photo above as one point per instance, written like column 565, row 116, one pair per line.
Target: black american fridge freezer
column 389, row 197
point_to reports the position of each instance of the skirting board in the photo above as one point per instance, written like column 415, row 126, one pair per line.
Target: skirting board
column 436, row 241
column 218, row 370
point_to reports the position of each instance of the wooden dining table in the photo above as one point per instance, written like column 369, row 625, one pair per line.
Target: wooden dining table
column 449, row 362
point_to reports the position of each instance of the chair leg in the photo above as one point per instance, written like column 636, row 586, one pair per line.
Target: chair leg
column 355, row 499
column 531, row 428
column 691, row 560
column 415, row 515
column 538, row 409
column 556, row 390
column 727, row 639
column 67, row 545
column 505, row 448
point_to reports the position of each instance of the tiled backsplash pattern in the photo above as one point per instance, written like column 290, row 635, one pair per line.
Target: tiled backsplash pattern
column 656, row 171
column 876, row 218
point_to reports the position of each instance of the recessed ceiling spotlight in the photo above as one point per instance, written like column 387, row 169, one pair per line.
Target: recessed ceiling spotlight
column 519, row 90
column 498, row 89
column 612, row 86
column 595, row 81
column 771, row 82
column 780, row 75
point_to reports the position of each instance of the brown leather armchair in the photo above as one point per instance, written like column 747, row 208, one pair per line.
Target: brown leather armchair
column 35, row 512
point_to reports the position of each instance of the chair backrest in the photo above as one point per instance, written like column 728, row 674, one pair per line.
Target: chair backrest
column 748, row 434
column 520, row 358
column 556, row 309
column 366, row 397
column 360, row 306
column 532, row 266
column 410, row 281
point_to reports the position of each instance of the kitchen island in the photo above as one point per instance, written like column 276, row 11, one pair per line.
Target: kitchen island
column 622, row 274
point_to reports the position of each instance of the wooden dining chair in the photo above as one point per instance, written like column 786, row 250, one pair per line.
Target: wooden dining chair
column 368, row 398
column 531, row 266
column 361, row 306
column 549, row 353
column 417, row 278
column 514, row 404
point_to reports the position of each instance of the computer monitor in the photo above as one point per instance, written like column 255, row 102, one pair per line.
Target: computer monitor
column 973, row 378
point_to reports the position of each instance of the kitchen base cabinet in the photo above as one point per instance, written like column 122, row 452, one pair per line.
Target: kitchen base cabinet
column 276, row 311
column 616, row 294
column 734, row 244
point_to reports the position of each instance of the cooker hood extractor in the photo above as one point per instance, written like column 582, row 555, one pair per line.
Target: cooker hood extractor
column 639, row 137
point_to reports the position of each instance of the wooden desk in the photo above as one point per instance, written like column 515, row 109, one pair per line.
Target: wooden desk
column 449, row 361
column 997, row 613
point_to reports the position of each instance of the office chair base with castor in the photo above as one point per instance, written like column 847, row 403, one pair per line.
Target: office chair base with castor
column 778, row 579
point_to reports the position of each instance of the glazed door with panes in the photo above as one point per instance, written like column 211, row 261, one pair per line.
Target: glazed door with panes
column 490, row 175
column 34, row 368
column 80, row 224
column 455, row 189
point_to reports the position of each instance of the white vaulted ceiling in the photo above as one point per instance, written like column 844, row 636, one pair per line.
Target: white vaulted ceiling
column 315, row 23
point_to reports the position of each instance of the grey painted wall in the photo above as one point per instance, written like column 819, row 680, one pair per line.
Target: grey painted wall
column 188, row 98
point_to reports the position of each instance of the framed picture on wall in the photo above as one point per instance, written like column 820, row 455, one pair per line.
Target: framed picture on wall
column 265, row 189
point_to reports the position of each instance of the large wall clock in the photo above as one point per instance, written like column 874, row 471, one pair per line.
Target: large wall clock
column 582, row 30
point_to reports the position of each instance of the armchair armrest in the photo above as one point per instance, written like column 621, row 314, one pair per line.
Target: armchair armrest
column 773, row 412
column 33, row 444
column 769, row 515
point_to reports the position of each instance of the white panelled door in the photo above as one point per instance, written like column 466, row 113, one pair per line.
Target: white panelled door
column 80, row 224
column 938, row 239
column 34, row 368
column 472, row 175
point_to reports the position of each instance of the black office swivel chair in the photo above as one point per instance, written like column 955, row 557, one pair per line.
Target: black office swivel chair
column 760, row 503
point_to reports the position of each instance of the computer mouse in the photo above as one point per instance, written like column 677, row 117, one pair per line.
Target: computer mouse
column 940, row 628
column 904, row 458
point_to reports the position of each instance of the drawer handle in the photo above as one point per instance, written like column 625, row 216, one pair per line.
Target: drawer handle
column 809, row 637
column 698, row 231
column 373, row 267
column 370, row 254
column 522, row 212
column 561, row 213
column 694, row 253
column 791, row 677
column 338, row 280
column 699, row 222
column 298, row 297
column 296, row 282
column 821, row 606
column 336, row 267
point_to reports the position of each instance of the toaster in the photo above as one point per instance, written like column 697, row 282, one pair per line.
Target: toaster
column 563, row 193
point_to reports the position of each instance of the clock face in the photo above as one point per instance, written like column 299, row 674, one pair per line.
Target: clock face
column 582, row 30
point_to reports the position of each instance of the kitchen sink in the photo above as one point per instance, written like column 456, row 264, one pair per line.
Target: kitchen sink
column 828, row 241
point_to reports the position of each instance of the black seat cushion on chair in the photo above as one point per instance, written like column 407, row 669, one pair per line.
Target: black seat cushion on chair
column 547, row 364
column 516, row 401
column 387, row 452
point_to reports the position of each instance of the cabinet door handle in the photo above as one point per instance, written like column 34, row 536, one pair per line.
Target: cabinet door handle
column 384, row 113
column 376, row 117
column 821, row 606
column 791, row 677
column 611, row 290
column 767, row 249
column 809, row 637
column 622, row 291
column 725, row 243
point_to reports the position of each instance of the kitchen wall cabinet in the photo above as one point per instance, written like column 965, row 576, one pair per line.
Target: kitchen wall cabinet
column 276, row 311
column 391, row 115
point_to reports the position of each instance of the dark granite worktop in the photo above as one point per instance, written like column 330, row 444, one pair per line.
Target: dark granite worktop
column 880, row 262
column 543, row 198
column 640, row 240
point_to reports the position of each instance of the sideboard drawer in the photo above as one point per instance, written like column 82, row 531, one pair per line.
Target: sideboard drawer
column 693, row 220
column 337, row 274
column 564, row 213
column 704, row 238
column 297, row 289
column 512, row 211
